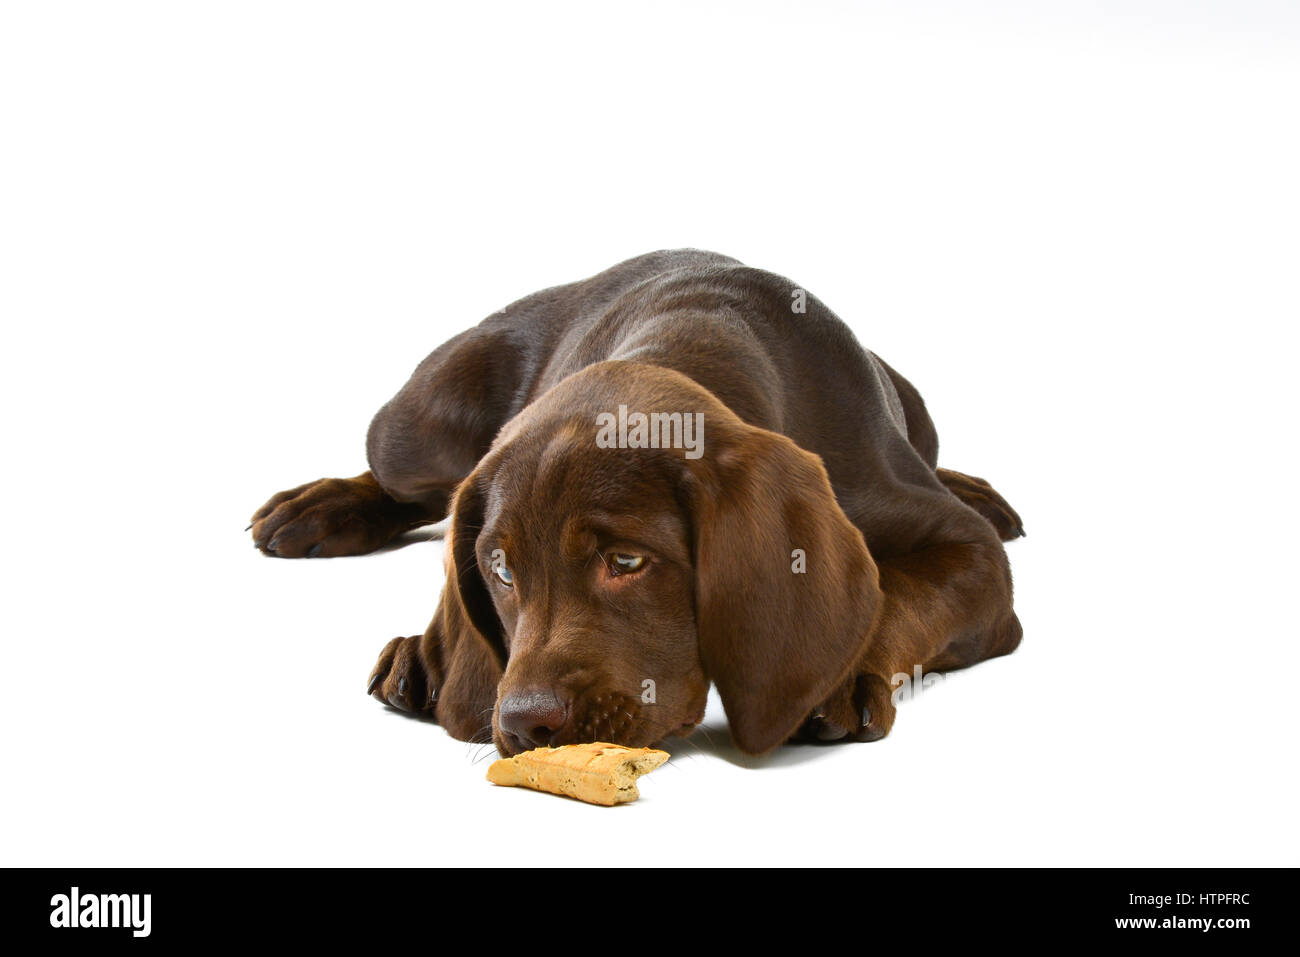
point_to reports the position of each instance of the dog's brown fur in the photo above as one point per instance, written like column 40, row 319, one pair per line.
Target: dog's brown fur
column 811, row 444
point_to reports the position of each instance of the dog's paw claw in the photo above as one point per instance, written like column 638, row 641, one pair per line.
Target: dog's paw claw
column 876, row 708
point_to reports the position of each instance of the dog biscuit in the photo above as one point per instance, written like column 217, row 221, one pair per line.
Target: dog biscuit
column 598, row 773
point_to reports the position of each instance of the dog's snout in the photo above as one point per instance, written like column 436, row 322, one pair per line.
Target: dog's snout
column 532, row 716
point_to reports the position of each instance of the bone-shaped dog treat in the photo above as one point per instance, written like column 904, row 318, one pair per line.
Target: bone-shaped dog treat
column 598, row 773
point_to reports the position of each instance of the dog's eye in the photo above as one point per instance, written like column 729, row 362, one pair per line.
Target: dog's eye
column 620, row 564
column 503, row 573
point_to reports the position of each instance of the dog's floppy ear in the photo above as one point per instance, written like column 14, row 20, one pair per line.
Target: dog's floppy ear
column 464, row 581
column 786, row 590
column 465, row 664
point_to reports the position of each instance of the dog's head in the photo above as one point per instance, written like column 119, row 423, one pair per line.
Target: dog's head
column 614, row 581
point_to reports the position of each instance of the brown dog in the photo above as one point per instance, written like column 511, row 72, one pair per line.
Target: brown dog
column 680, row 471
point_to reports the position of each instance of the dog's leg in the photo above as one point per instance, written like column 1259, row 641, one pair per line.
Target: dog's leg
column 447, row 673
column 425, row 440
column 945, row 606
column 982, row 497
column 974, row 492
column 421, row 444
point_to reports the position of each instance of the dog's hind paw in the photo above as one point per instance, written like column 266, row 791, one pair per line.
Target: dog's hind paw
column 981, row 496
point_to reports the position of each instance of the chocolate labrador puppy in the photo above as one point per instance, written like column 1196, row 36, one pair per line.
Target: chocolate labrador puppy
column 680, row 471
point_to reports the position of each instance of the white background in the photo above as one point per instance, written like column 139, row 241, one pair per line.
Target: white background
column 229, row 231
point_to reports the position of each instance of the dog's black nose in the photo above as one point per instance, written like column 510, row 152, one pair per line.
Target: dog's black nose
column 532, row 716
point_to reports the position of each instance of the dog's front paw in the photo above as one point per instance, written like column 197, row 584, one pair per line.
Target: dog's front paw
column 405, row 676
column 331, row 517
column 860, row 710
